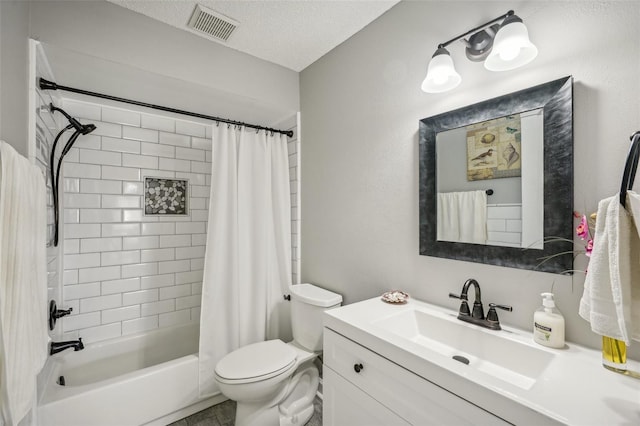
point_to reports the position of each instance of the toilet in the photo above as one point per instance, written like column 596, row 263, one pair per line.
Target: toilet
column 273, row 382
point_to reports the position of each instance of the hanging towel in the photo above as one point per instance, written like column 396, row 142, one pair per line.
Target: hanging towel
column 462, row 217
column 23, row 283
column 614, row 269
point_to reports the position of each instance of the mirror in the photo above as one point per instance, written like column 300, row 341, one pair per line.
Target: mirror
column 519, row 149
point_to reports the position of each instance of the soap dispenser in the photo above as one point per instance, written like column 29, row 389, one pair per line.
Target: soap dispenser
column 548, row 323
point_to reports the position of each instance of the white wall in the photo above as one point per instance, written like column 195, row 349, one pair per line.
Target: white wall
column 360, row 108
column 14, row 72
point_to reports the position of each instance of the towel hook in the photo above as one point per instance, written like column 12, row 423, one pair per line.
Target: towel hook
column 630, row 168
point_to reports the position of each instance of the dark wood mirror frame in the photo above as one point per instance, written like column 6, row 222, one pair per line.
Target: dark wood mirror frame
column 556, row 99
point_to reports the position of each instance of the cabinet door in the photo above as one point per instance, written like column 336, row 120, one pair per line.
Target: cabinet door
column 346, row 405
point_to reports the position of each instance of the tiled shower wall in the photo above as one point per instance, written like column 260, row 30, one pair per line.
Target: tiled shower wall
column 125, row 272
column 294, row 179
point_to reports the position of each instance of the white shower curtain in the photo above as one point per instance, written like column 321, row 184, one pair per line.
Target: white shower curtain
column 247, row 265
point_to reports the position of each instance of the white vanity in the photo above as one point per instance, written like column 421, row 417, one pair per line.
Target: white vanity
column 394, row 365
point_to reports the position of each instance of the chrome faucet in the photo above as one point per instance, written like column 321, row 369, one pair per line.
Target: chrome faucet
column 61, row 346
column 476, row 316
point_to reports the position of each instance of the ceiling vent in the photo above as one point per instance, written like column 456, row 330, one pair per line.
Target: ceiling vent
column 212, row 23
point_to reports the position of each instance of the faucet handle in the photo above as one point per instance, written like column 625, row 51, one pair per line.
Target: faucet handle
column 464, row 306
column 492, row 315
column 458, row 296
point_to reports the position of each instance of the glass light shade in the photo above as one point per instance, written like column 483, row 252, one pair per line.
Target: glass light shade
column 511, row 48
column 441, row 74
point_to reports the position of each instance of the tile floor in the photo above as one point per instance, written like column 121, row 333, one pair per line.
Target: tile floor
column 224, row 414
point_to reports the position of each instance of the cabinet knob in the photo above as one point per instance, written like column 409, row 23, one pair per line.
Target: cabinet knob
column 358, row 367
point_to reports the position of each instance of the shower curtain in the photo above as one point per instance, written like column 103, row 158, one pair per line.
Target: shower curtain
column 247, row 265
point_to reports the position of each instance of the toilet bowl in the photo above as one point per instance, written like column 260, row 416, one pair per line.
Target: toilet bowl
column 274, row 383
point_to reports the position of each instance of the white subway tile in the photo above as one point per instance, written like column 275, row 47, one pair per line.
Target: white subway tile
column 201, row 143
column 76, row 322
column 190, row 228
column 157, row 255
column 142, row 161
column 174, row 139
column 496, row 225
column 120, row 314
column 120, row 229
column 147, row 135
column 120, row 201
column 209, row 157
column 155, row 308
column 174, row 318
column 199, row 239
column 100, row 216
column 120, row 286
column 189, row 277
column 200, row 167
column 73, row 156
column 70, row 277
column 139, row 325
column 155, row 281
column 176, row 165
column 197, row 264
column 120, row 173
column 198, row 203
column 71, row 216
column 83, row 230
column 190, row 128
column 199, row 215
column 71, row 185
column 190, row 154
column 89, row 245
column 174, row 266
column 132, row 216
column 504, row 212
column 514, row 225
column 189, row 252
column 120, row 116
column 91, row 156
column 71, row 246
column 91, row 304
column 120, row 145
column 175, row 240
column 196, row 288
column 80, row 291
column 107, row 129
column 195, row 314
column 103, row 332
column 200, row 191
column 88, row 142
column 139, row 270
column 132, row 243
column 158, row 150
column 99, row 274
column 93, row 186
column 158, row 123
column 133, row 188
column 158, row 228
column 80, row 109
column 194, row 178
column 81, row 201
column 504, row 237
column 157, row 173
column 77, row 261
column 139, row 297
column 187, row 302
column 82, row 170
column 120, row 257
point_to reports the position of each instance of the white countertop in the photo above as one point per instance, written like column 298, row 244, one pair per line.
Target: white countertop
column 574, row 389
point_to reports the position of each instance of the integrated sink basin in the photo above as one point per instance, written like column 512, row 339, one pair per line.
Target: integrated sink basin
column 490, row 352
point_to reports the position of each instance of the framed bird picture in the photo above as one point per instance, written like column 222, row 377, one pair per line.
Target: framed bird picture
column 494, row 149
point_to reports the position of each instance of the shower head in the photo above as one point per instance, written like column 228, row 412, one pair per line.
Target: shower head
column 82, row 128
column 87, row 128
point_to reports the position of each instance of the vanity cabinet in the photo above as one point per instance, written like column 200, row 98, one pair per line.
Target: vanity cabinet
column 363, row 388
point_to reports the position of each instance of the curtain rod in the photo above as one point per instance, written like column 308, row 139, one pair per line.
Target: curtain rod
column 50, row 85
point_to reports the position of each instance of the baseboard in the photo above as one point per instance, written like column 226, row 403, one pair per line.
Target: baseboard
column 187, row 411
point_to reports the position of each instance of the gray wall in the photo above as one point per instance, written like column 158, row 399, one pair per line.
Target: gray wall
column 360, row 108
column 14, row 71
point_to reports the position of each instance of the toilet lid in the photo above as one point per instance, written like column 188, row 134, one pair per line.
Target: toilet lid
column 257, row 361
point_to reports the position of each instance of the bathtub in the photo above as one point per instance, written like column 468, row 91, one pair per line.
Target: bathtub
column 144, row 379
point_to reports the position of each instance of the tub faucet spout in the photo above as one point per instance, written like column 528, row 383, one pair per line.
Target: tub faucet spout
column 56, row 347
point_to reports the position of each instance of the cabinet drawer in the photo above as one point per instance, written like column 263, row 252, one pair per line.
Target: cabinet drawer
column 415, row 399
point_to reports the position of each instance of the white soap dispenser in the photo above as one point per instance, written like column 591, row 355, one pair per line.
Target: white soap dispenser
column 548, row 323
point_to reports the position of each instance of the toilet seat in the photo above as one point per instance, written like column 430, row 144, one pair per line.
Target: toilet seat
column 256, row 362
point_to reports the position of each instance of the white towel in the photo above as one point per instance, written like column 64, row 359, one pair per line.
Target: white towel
column 462, row 217
column 613, row 269
column 23, row 283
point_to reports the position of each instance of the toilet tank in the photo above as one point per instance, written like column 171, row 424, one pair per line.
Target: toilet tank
column 308, row 302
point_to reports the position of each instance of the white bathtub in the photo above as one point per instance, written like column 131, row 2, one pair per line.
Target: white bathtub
column 144, row 379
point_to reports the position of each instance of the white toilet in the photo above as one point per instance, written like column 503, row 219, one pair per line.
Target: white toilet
column 274, row 383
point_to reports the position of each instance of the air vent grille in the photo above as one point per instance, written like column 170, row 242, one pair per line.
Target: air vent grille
column 212, row 23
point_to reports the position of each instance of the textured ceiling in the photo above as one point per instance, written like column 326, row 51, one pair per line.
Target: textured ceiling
column 293, row 33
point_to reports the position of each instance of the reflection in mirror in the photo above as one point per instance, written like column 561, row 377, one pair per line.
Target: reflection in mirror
column 490, row 182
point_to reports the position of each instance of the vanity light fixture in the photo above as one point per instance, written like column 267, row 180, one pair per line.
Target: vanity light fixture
column 502, row 47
